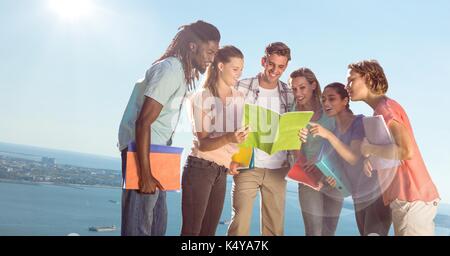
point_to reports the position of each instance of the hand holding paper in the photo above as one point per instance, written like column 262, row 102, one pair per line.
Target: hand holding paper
column 243, row 159
column 149, row 185
column 310, row 178
column 367, row 167
column 365, row 148
column 238, row 136
column 303, row 134
column 165, row 166
column 377, row 133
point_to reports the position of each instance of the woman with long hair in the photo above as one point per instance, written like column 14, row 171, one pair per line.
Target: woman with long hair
column 344, row 141
column 320, row 209
column 216, row 112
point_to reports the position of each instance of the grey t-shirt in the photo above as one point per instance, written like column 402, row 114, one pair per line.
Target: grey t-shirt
column 164, row 82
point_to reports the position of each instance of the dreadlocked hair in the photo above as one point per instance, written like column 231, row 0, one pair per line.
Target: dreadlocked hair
column 196, row 32
column 224, row 56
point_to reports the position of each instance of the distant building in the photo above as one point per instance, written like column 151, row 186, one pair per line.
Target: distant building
column 49, row 161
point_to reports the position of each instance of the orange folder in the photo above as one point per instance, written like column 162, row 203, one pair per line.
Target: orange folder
column 165, row 165
column 297, row 174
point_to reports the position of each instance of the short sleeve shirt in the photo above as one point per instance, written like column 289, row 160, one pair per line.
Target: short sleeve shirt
column 165, row 83
column 412, row 181
column 219, row 119
column 364, row 189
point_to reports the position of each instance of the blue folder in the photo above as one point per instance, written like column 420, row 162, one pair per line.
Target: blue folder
column 329, row 164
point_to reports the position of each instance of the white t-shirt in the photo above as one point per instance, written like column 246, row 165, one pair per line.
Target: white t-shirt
column 269, row 98
column 219, row 120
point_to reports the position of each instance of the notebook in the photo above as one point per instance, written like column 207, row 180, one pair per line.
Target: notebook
column 377, row 133
column 165, row 166
column 297, row 174
column 245, row 157
column 329, row 165
column 272, row 132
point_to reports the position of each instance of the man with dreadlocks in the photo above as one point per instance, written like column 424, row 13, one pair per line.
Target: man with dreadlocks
column 148, row 120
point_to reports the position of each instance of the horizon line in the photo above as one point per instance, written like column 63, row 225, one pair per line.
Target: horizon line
column 58, row 149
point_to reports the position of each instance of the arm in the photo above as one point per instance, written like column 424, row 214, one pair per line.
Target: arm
column 350, row 154
column 209, row 144
column 149, row 113
column 402, row 149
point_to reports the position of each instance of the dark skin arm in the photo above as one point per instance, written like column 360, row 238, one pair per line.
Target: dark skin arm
column 149, row 113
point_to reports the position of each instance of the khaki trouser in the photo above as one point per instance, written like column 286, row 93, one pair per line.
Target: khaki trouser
column 414, row 218
column 272, row 185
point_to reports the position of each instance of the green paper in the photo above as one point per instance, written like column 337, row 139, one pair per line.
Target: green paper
column 272, row 132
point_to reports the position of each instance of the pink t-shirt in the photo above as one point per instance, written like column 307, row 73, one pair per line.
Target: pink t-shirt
column 220, row 119
column 411, row 181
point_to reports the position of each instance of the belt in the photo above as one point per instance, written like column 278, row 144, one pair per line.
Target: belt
column 199, row 162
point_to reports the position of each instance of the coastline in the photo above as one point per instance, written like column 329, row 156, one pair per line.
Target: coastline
column 69, row 185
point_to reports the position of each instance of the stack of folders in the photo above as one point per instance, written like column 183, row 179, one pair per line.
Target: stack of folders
column 298, row 174
column 245, row 157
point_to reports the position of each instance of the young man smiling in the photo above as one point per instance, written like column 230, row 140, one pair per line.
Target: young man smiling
column 268, row 176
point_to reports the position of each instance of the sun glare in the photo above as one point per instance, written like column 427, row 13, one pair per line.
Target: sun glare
column 72, row 10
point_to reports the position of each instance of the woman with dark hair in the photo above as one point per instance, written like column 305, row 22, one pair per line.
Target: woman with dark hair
column 216, row 114
column 372, row 217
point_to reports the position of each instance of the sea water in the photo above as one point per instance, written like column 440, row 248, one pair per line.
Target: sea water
column 44, row 209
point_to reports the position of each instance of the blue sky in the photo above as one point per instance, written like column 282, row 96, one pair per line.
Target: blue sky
column 65, row 82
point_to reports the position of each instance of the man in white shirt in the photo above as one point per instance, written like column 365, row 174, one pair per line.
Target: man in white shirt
column 268, row 176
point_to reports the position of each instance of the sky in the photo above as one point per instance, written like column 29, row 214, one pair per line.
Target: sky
column 67, row 67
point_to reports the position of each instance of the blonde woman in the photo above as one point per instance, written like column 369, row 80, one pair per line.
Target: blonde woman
column 320, row 209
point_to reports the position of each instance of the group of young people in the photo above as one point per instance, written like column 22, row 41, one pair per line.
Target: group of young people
column 405, row 196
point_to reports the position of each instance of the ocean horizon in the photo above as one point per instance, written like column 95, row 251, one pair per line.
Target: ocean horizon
column 62, row 156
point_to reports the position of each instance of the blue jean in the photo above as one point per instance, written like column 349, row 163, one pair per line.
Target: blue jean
column 320, row 210
column 143, row 214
